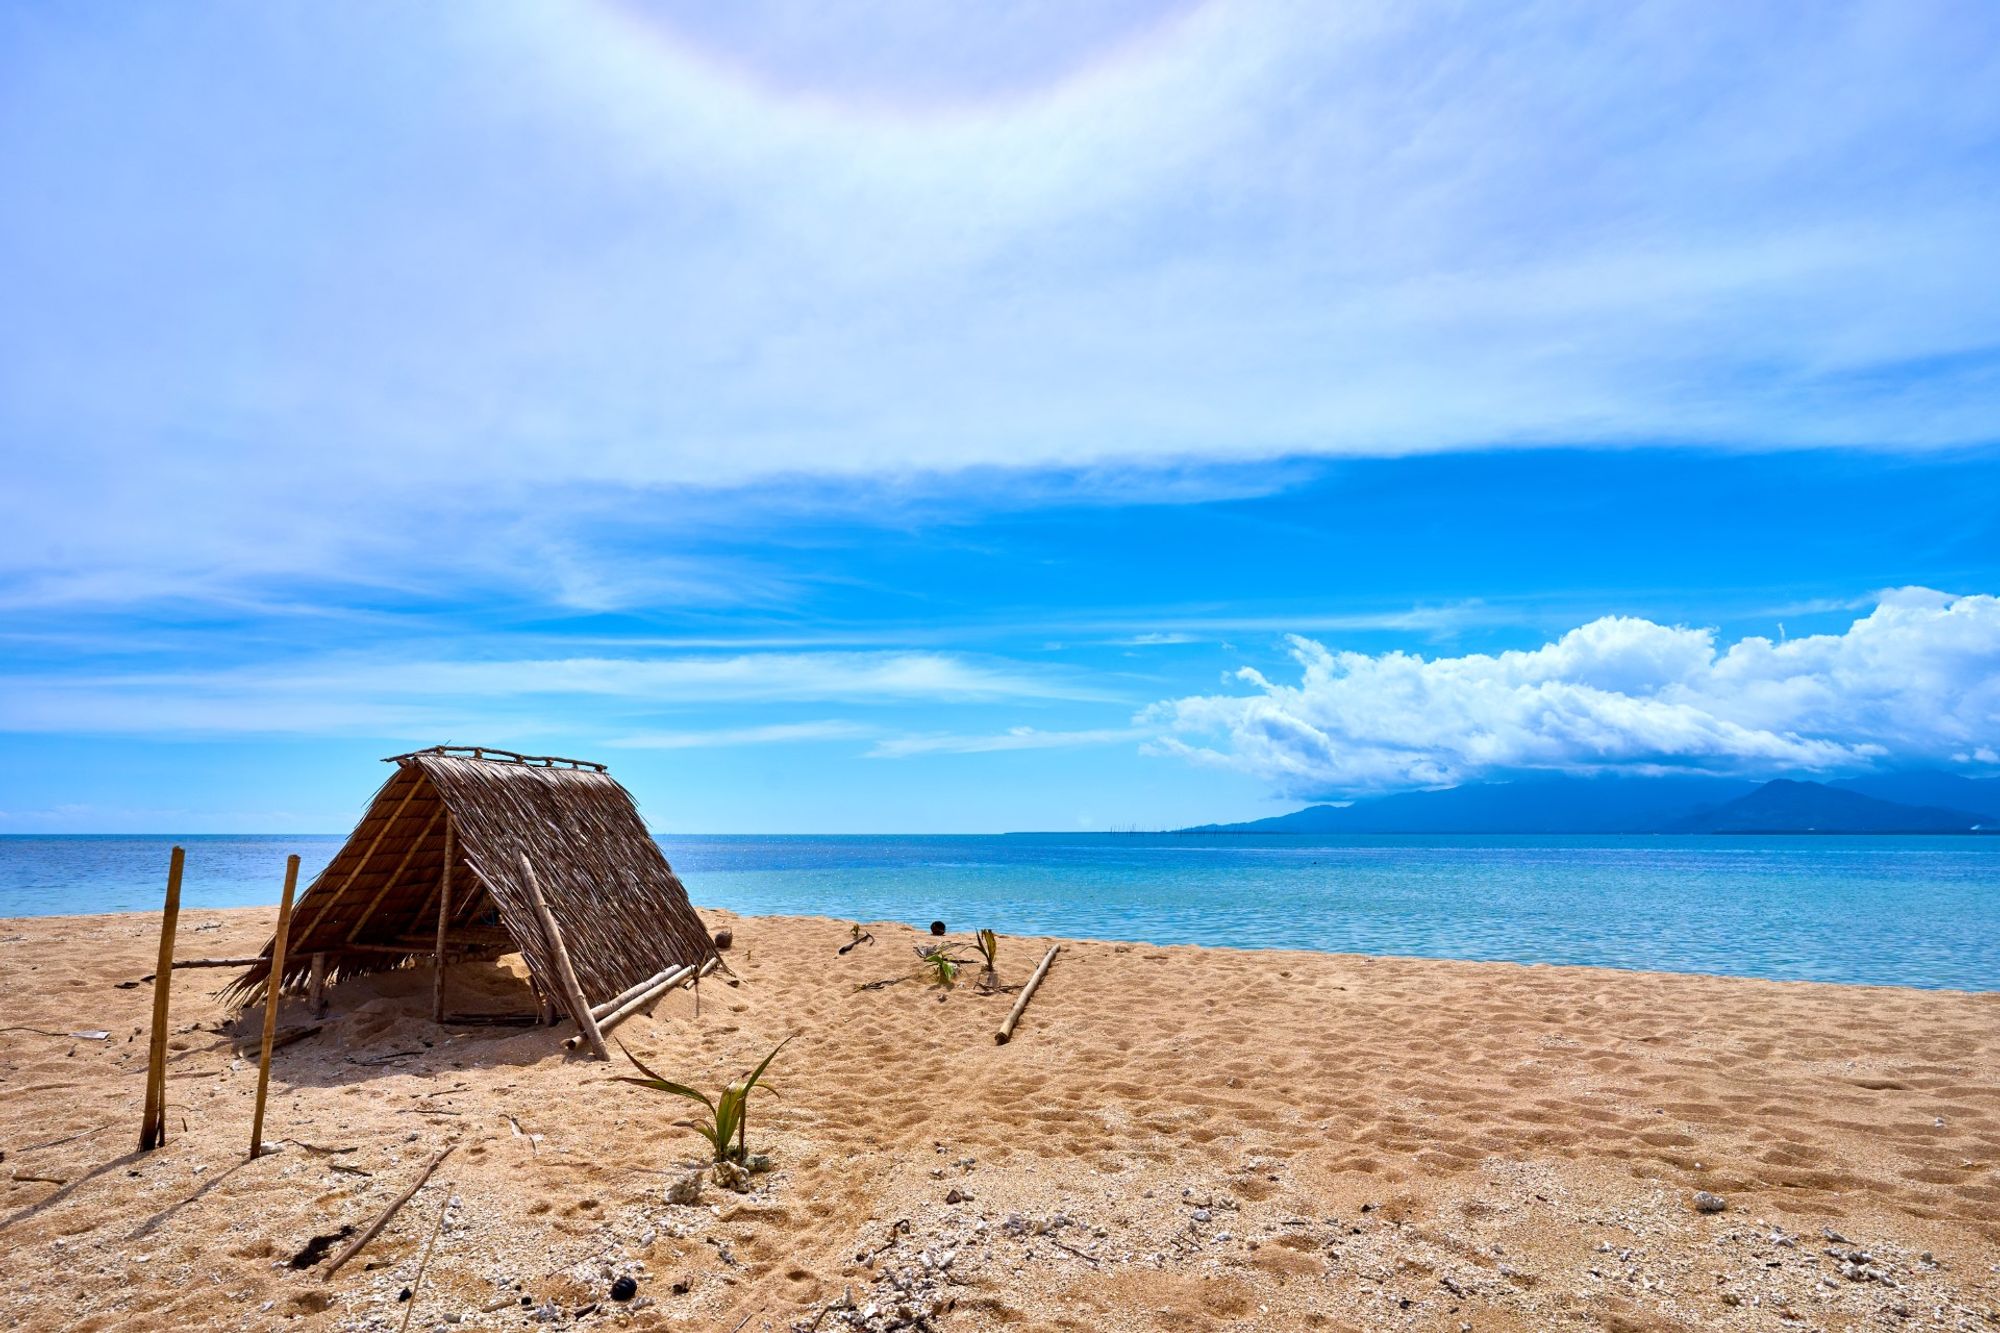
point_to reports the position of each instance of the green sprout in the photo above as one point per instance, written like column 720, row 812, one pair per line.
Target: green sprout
column 939, row 967
column 988, row 945
column 728, row 1115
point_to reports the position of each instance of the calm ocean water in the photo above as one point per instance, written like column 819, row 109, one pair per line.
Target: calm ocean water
column 1886, row 910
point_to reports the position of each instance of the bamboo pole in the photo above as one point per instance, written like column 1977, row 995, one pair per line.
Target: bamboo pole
column 645, row 987
column 271, row 1004
column 316, row 988
column 382, row 1219
column 579, row 1008
column 444, row 919
column 611, row 1018
column 1006, row 1032
column 153, row 1121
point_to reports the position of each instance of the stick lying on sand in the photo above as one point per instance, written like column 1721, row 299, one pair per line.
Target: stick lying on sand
column 1006, row 1032
column 369, row 1233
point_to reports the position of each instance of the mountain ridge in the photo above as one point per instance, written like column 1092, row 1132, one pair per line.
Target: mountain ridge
column 1677, row 804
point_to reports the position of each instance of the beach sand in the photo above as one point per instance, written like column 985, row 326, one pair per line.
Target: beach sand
column 1178, row 1138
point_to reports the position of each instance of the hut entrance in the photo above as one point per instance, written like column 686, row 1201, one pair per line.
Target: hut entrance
column 468, row 853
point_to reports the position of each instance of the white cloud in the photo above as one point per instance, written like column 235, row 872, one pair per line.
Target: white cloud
column 1915, row 680
column 1016, row 738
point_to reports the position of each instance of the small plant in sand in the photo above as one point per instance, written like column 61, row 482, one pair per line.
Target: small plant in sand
column 939, row 967
column 858, row 937
column 988, row 945
column 728, row 1115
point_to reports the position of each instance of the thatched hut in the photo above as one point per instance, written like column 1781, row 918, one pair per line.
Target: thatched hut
column 433, row 872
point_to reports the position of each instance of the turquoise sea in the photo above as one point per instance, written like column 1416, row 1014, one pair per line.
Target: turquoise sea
column 1915, row 911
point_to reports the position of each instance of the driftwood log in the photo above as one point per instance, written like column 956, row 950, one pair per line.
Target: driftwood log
column 1006, row 1032
column 153, row 1120
column 382, row 1220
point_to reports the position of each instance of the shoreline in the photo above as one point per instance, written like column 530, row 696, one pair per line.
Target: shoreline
column 1179, row 1136
column 8, row 923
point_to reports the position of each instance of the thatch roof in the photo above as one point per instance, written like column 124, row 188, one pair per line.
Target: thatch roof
column 623, row 913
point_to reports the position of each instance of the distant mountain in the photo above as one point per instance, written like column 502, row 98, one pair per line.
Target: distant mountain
column 1554, row 804
column 1784, row 806
column 1615, row 804
column 1947, row 791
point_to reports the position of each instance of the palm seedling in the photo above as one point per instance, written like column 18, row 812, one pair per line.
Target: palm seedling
column 939, row 967
column 728, row 1115
column 988, row 945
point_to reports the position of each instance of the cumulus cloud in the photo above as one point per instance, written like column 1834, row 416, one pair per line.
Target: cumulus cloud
column 1916, row 680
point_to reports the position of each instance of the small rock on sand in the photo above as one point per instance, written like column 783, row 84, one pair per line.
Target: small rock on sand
column 1704, row 1202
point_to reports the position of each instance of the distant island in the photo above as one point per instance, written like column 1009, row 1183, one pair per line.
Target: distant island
column 1915, row 802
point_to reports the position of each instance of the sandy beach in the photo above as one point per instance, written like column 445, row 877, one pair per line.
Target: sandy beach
column 1178, row 1138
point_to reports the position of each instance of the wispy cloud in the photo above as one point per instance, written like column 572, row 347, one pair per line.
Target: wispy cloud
column 1917, row 680
column 777, row 733
column 1231, row 233
column 386, row 696
column 1017, row 738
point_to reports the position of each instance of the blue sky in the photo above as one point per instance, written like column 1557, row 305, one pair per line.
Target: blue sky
column 1013, row 418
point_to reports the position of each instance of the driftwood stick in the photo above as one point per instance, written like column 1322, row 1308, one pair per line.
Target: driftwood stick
column 1006, row 1032
column 278, row 943
column 295, row 1035
column 572, row 993
column 369, row 1232
column 153, row 1121
column 444, row 919
column 610, row 1019
column 417, row 1283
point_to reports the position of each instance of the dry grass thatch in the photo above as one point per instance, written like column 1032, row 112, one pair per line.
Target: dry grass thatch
column 623, row 913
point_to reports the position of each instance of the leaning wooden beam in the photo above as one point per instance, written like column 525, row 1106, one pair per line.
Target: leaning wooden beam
column 579, row 1008
column 153, row 1121
column 611, row 1018
column 368, row 912
column 444, row 919
column 278, row 943
column 333, row 899
column 1006, row 1032
column 369, row 1233
column 180, row 963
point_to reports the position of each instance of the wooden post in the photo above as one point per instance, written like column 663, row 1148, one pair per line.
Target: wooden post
column 271, row 988
column 1006, row 1032
column 444, row 917
column 572, row 993
column 153, row 1121
column 316, row 988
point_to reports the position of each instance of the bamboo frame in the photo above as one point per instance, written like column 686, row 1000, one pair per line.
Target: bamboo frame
column 271, row 1006
column 416, row 845
column 153, row 1120
column 366, row 857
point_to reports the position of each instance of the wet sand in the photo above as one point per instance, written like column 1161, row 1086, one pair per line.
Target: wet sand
column 1178, row 1138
